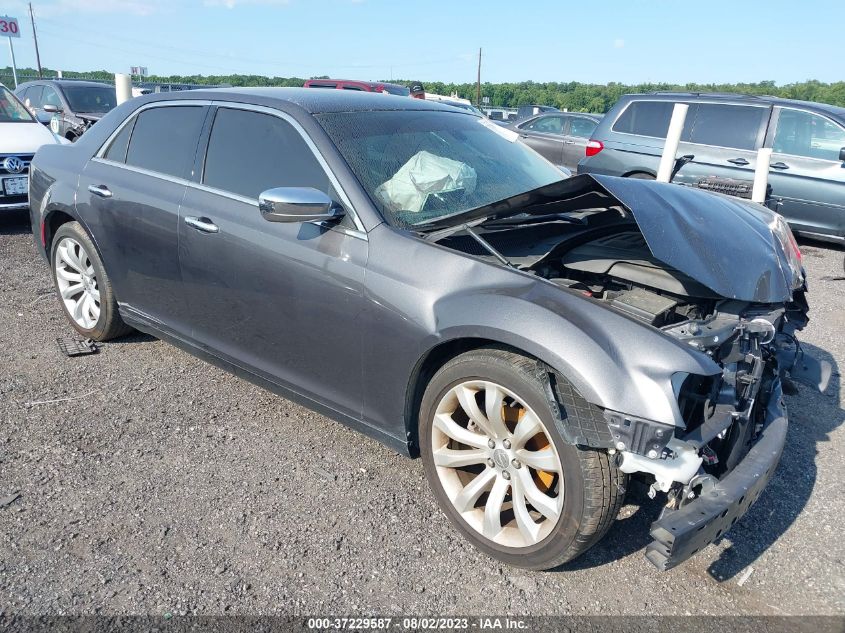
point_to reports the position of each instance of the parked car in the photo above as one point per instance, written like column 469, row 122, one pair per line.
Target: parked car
column 364, row 86
column 20, row 136
column 560, row 137
column 525, row 111
column 71, row 106
column 410, row 270
column 723, row 132
column 455, row 102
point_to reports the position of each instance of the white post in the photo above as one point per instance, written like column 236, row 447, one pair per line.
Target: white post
column 761, row 175
column 123, row 87
column 673, row 138
column 14, row 66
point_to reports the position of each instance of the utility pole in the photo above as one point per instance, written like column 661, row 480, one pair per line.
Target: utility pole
column 35, row 39
column 478, row 82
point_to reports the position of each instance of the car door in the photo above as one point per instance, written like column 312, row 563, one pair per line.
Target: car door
column 130, row 193
column 544, row 134
column 724, row 138
column 806, row 173
column 579, row 130
column 279, row 299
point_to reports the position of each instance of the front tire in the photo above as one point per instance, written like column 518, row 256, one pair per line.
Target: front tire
column 82, row 285
column 501, row 471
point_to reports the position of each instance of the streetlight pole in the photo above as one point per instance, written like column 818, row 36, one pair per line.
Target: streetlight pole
column 35, row 38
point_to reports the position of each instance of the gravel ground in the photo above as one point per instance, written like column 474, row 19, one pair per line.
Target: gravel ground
column 159, row 484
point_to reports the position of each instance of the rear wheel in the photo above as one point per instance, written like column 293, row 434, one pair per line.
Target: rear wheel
column 640, row 175
column 500, row 469
column 82, row 285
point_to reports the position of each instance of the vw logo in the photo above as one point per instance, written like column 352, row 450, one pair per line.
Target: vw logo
column 13, row 165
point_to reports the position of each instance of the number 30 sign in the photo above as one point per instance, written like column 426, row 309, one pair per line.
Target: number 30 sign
column 9, row 27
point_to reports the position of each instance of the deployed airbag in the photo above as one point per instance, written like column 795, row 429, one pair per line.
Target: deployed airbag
column 423, row 175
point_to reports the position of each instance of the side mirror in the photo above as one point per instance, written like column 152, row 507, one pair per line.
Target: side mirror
column 43, row 117
column 52, row 109
column 842, row 154
column 297, row 204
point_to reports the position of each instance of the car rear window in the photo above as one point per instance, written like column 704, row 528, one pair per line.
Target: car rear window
column 398, row 90
column 725, row 125
column 165, row 139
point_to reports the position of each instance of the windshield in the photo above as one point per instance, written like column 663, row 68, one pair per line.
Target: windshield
column 90, row 98
column 12, row 110
column 424, row 166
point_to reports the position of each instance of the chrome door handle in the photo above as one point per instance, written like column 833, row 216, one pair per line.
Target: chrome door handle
column 100, row 190
column 738, row 161
column 779, row 165
column 569, row 142
column 202, row 224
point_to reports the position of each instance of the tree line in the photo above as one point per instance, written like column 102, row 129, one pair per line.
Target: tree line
column 571, row 95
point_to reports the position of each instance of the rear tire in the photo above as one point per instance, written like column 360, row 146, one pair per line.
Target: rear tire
column 579, row 500
column 82, row 285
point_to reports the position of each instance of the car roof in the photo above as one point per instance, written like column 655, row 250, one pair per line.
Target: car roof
column 815, row 106
column 64, row 82
column 308, row 99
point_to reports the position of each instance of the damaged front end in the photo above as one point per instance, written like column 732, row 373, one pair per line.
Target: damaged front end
column 735, row 423
column 718, row 275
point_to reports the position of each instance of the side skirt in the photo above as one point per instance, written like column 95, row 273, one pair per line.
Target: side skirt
column 147, row 325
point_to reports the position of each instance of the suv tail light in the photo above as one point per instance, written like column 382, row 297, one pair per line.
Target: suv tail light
column 594, row 147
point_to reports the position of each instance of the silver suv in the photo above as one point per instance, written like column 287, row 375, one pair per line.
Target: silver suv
column 723, row 132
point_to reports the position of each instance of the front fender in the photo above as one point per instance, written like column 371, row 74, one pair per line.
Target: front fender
column 614, row 361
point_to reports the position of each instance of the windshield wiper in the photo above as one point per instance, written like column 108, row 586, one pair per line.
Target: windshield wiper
column 467, row 227
column 525, row 219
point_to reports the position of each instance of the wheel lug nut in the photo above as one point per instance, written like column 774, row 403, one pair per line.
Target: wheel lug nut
column 516, row 463
column 491, row 463
column 491, row 443
column 506, row 474
column 506, row 443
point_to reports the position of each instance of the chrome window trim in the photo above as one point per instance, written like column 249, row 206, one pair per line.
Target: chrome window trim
column 359, row 231
column 805, row 111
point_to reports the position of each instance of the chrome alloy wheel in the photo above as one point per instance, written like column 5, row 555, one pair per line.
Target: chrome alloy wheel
column 77, row 283
column 497, row 464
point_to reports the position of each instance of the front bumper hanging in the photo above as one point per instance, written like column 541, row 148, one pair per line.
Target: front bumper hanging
column 682, row 533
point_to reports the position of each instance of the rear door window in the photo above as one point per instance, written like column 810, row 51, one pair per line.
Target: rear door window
column 581, row 127
column 119, row 145
column 801, row 133
column 34, row 96
column 267, row 151
column 165, row 139
column 725, row 125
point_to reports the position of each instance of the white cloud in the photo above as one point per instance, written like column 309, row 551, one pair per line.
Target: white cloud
column 619, row 43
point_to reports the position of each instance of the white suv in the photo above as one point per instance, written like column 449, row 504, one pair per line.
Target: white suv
column 20, row 136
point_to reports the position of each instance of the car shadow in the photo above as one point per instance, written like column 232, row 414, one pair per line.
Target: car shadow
column 15, row 223
column 812, row 417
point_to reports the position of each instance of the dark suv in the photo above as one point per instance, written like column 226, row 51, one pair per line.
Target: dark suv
column 73, row 105
column 723, row 132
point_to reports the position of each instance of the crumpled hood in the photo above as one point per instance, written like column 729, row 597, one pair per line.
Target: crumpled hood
column 725, row 243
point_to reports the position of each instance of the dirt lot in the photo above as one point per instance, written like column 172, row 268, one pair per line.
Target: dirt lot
column 153, row 483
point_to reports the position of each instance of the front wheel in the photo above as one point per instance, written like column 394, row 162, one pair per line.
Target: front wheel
column 83, row 288
column 500, row 469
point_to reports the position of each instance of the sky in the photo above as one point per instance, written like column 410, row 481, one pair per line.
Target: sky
column 627, row 41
